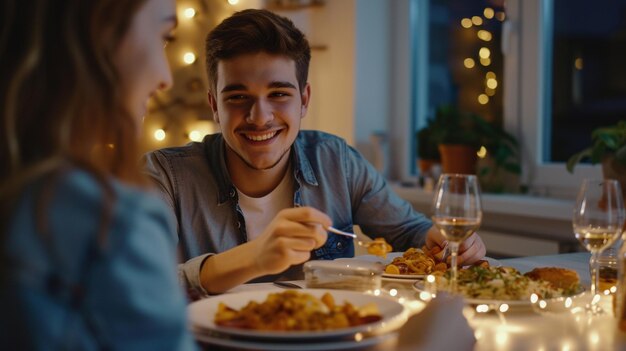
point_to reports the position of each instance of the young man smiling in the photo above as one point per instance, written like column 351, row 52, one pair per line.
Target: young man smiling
column 253, row 200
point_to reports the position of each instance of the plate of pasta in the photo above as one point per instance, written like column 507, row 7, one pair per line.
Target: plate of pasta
column 296, row 314
column 499, row 285
column 416, row 263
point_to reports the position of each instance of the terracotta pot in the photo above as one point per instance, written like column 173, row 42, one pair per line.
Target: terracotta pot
column 458, row 158
column 613, row 170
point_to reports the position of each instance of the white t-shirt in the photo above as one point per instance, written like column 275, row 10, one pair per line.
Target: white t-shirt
column 259, row 211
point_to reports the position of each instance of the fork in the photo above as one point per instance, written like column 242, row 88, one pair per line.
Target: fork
column 340, row 232
column 352, row 235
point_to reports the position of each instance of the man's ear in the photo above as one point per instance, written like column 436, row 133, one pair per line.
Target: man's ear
column 213, row 104
column 305, row 97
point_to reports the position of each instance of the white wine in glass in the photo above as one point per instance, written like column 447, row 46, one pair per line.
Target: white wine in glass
column 457, row 212
column 597, row 223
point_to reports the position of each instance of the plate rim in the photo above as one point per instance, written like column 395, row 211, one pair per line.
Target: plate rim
column 276, row 345
column 526, row 302
column 382, row 326
column 392, row 255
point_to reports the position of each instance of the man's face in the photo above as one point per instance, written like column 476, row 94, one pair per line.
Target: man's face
column 258, row 107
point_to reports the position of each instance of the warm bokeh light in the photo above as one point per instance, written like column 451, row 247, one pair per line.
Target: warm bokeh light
column 578, row 63
column 568, row 302
column 490, row 75
column 488, row 12
column 469, row 62
column 483, row 99
column 477, row 21
column 485, row 61
column 159, row 134
column 534, row 298
column 466, row 23
column 594, row 338
column 490, row 92
column 195, row 135
column 502, row 338
column 189, row 58
column 484, row 52
column 233, row 2
column 484, row 35
column 500, row 16
column 189, row 12
column 482, row 308
column 492, row 83
column 198, row 129
column 482, row 152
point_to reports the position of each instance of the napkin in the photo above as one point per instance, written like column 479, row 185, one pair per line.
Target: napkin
column 441, row 325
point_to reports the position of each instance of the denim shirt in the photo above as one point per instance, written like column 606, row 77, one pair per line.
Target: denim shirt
column 65, row 289
column 329, row 175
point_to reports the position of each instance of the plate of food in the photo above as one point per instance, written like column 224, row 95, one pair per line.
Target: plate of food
column 296, row 314
column 506, row 285
column 416, row 263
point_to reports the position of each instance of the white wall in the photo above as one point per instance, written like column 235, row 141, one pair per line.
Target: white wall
column 372, row 68
column 330, row 30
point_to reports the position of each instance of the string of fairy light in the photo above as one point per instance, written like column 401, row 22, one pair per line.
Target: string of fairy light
column 484, row 53
column 188, row 13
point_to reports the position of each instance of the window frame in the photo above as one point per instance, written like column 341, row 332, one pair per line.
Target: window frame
column 527, row 44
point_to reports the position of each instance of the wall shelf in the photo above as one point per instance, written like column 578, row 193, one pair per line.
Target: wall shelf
column 292, row 5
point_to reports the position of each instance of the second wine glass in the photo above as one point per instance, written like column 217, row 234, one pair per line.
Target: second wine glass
column 457, row 212
column 597, row 223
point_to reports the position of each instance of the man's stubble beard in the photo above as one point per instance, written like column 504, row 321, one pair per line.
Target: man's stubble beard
column 251, row 166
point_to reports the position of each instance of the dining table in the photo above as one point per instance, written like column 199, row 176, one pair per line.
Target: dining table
column 517, row 328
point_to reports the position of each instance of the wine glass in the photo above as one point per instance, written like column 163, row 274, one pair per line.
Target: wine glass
column 457, row 212
column 597, row 223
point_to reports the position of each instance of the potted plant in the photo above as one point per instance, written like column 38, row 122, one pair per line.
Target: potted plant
column 460, row 136
column 608, row 147
column 427, row 148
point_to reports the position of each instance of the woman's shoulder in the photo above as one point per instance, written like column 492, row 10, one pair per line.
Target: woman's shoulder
column 82, row 187
column 79, row 195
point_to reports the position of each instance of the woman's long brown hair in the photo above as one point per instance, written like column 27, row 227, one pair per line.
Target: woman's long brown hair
column 61, row 103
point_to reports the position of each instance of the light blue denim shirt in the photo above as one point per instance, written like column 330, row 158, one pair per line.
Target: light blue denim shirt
column 65, row 291
column 330, row 176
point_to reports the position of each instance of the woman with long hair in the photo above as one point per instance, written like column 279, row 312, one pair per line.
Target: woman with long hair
column 87, row 257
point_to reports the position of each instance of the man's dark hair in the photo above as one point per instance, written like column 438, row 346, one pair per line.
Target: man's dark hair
column 252, row 31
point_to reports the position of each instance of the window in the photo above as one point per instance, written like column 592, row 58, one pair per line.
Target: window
column 561, row 75
column 588, row 78
column 553, row 111
column 465, row 57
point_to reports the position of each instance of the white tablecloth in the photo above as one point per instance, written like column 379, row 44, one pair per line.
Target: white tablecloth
column 527, row 329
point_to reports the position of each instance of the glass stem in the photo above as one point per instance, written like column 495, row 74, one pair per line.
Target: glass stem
column 454, row 253
column 595, row 274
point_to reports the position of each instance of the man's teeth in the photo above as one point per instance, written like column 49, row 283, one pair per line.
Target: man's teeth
column 261, row 137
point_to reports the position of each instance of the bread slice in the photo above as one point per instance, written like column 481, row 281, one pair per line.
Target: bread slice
column 559, row 278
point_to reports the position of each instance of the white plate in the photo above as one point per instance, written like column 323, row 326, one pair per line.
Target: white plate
column 419, row 287
column 390, row 256
column 202, row 314
column 268, row 345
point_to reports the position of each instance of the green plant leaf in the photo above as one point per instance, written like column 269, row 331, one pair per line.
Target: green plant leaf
column 576, row 158
column 620, row 155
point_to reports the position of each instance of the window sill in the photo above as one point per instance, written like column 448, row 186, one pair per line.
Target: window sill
column 543, row 223
column 510, row 204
